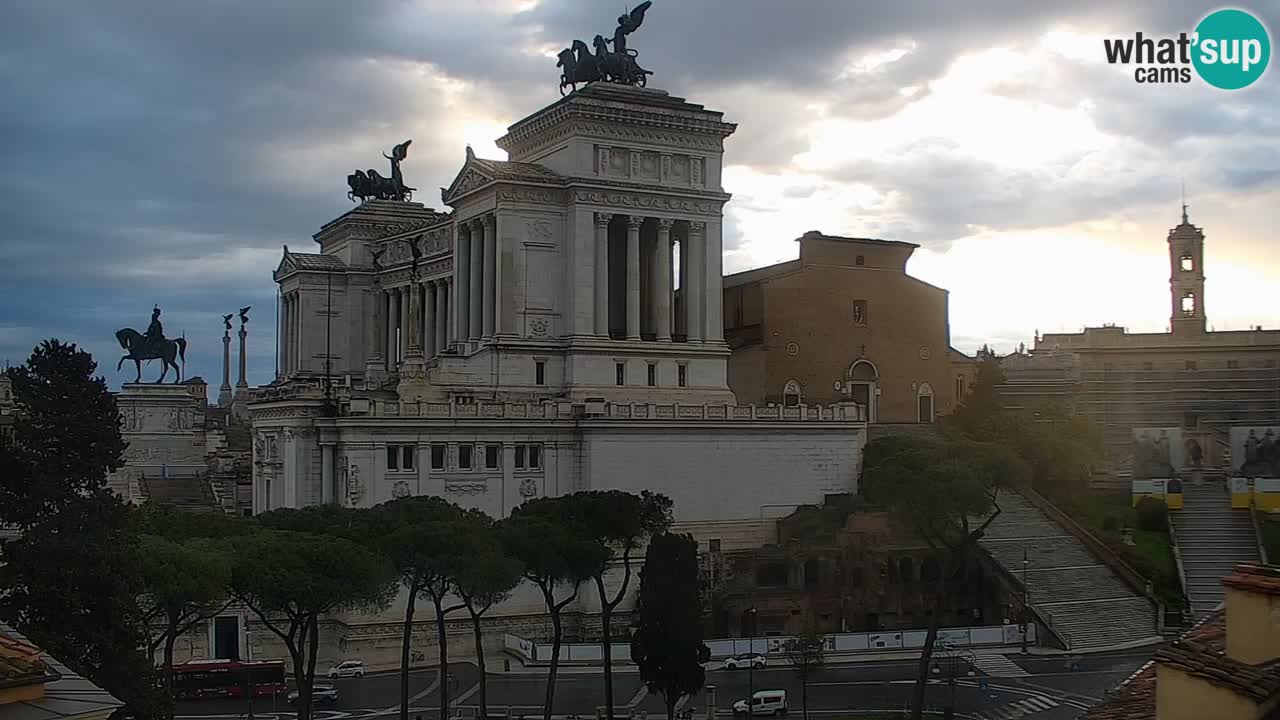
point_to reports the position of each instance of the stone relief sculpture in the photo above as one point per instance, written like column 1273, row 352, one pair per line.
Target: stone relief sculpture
column 528, row 488
column 355, row 487
column 400, row 489
column 372, row 185
column 1261, row 454
column 618, row 65
column 152, row 346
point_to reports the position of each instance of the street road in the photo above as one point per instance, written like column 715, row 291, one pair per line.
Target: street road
column 1042, row 688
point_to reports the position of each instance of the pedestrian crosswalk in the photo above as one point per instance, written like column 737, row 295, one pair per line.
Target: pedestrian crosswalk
column 998, row 666
column 1020, row 709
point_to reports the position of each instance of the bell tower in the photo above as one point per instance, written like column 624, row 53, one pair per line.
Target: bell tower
column 1186, row 278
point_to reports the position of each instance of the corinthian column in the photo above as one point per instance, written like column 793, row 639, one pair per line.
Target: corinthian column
column 662, row 285
column 633, row 277
column 475, row 300
column 695, row 268
column 373, row 331
column 602, row 274
column 462, row 279
column 490, row 275
column 429, row 312
column 442, row 315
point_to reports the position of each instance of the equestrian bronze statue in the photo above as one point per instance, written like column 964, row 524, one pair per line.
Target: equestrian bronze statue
column 580, row 65
column 152, row 345
column 371, row 185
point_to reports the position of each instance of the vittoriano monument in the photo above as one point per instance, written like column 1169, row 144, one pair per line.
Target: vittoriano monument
column 369, row 184
column 152, row 346
column 616, row 66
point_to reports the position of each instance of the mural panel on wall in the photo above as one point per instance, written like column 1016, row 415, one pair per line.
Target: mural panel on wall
column 1255, row 451
column 1157, row 452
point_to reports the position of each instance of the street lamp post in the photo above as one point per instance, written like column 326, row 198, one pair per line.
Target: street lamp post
column 1026, row 612
column 751, row 662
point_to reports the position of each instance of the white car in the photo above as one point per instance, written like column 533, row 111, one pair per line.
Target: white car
column 347, row 668
column 764, row 702
column 754, row 660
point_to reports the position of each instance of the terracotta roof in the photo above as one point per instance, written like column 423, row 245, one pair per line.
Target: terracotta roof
column 1135, row 698
column 518, row 171
column 313, row 261
column 20, row 663
column 1254, row 578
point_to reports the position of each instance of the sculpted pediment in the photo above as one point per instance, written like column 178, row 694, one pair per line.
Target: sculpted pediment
column 471, row 176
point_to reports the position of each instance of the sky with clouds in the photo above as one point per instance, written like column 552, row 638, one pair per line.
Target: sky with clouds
column 162, row 153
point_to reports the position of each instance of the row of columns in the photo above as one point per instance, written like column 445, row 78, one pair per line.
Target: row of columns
column 291, row 313
column 410, row 321
column 660, row 292
column 476, row 271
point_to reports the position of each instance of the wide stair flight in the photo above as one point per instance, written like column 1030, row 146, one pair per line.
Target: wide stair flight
column 1212, row 539
column 1079, row 595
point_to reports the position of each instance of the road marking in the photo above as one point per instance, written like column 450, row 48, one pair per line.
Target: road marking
column 640, row 695
column 1029, row 693
column 430, row 689
column 861, row 682
column 998, row 666
column 1019, row 709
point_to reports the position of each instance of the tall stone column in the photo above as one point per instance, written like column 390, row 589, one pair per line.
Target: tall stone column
column 297, row 332
column 282, row 358
column 442, row 315
column 462, row 281
column 373, row 333
column 490, row 290
column 393, row 327
column 713, row 291
column 695, row 270
column 403, row 318
column 662, row 285
column 242, row 385
column 287, row 344
column 413, row 326
column 475, row 301
column 429, row 320
column 224, row 392
column 633, row 277
column 602, row 274
column 389, row 297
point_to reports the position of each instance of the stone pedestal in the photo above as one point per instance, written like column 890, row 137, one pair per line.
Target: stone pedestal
column 164, row 426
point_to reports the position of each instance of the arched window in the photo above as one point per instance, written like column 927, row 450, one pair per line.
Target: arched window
column 924, row 403
column 864, row 381
column 791, row 394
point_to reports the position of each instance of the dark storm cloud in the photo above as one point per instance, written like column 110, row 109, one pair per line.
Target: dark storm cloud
column 162, row 153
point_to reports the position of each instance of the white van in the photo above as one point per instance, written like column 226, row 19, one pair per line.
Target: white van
column 764, row 702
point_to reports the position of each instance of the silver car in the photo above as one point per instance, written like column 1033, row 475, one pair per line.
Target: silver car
column 347, row 668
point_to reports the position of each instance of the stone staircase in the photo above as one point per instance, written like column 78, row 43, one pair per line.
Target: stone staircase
column 186, row 493
column 1212, row 538
column 1080, row 596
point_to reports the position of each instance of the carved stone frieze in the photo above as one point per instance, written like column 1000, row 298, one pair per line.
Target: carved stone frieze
column 531, row 195
column 540, row 231
column 466, row 488
column 647, row 202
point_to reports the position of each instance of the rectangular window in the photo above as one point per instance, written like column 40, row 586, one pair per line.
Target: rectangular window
column 714, row 545
column 959, row 388
column 620, row 373
column 653, row 375
column 491, row 456
column 519, row 457
column 393, row 457
column 1233, row 364
column 539, row 373
column 464, row 457
column 407, row 453
column 437, row 456
column 682, row 374
column 1188, row 263
column 860, row 261
column 1191, row 364
column 859, row 312
column 535, row 457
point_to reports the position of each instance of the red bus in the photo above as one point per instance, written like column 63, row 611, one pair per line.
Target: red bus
column 228, row 678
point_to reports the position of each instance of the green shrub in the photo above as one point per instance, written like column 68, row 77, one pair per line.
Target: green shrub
column 1152, row 514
